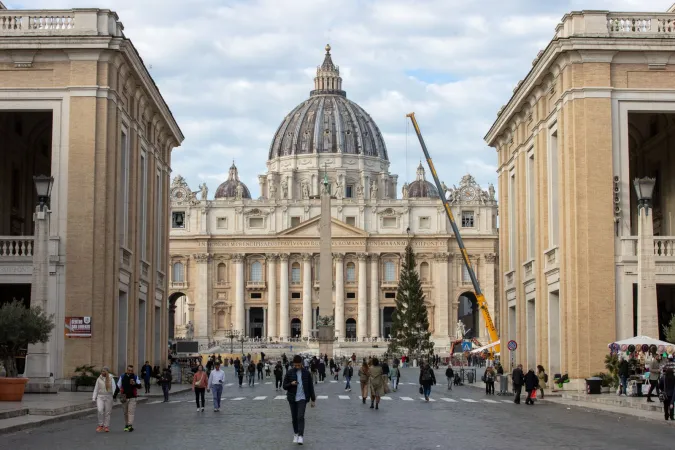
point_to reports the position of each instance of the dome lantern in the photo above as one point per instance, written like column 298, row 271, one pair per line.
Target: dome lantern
column 328, row 80
column 228, row 189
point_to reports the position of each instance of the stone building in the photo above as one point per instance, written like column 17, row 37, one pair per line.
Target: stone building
column 252, row 265
column 77, row 103
column 595, row 112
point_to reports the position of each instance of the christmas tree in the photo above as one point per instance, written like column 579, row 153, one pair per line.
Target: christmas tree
column 410, row 323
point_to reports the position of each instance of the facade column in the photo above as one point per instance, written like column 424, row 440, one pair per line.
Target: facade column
column 374, row 295
column 488, row 285
column 441, row 288
column 306, row 294
column 647, row 310
column 240, row 319
column 248, row 322
column 340, row 324
column 455, row 271
column 362, row 328
column 199, row 311
column 264, row 330
column 284, row 310
column 271, row 319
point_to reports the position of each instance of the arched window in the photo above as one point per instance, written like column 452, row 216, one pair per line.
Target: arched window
column 424, row 271
column 221, row 320
column 351, row 272
column 178, row 272
column 295, row 273
column 389, row 271
column 256, row 271
column 222, row 273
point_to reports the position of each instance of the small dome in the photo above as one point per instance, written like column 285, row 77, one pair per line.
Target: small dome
column 229, row 188
column 421, row 188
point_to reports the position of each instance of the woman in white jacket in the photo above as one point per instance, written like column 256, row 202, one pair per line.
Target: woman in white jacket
column 103, row 396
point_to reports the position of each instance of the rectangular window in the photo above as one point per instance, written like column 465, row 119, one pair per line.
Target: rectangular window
column 221, row 222
column 256, row 295
column 295, row 275
column 351, row 220
column 553, row 189
column 178, row 219
column 389, row 271
column 389, row 295
column 255, row 222
column 512, row 221
column 124, row 183
column 467, row 219
column 295, row 221
column 351, row 295
column 530, row 207
column 425, row 223
column 143, row 187
column 389, row 222
column 349, row 191
column 295, row 295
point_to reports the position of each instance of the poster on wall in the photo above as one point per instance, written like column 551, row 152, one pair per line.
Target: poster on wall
column 78, row 327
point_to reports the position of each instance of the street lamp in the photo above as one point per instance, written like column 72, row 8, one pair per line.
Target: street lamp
column 647, row 309
column 43, row 187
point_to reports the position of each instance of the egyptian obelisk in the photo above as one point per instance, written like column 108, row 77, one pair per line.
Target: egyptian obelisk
column 326, row 324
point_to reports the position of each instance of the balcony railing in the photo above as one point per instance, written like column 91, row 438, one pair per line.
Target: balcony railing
column 664, row 247
column 616, row 24
column 16, row 247
column 255, row 285
column 222, row 284
column 145, row 269
column 73, row 22
column 389, row 285
column 125, row 257
column 551, row 258
column 178, row 284
column 528, row 270
column 509, row 278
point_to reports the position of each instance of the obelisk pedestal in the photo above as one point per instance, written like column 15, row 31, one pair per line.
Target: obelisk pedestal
column 326, row 322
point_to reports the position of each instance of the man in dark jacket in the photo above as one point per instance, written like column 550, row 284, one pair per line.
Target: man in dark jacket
column 450, row 375
column 531, row 385
column 517, row 379
column 624, row 373
column 299, row 388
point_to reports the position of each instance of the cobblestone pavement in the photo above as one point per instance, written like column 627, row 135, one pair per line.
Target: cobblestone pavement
column 259, row 418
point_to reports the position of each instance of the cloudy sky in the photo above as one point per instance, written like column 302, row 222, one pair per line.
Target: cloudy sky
column 231, row 70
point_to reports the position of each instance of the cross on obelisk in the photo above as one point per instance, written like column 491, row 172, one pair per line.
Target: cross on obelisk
column 326, row 324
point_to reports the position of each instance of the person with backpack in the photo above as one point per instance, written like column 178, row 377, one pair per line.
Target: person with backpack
column 543, row 379
column 299, row 388
column 450, row 375
column 251, row 374
column 394, row 376
column 489, row 380
column 348, row 374
column 127, row 387
column 165, row 381
column 278, row 375
column 427, row 379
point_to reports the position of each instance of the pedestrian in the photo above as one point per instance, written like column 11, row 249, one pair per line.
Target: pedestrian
column 103, row 396
column 348, row 374
column 427, row 379
column 278, row 375
column 450, row 375
column 654, row 369
column 668, row 388
column 543, row 379
column 531, row 385
column 395, row 376
column 332, row 366
column 268, row 370
column 216, row 382
column 489, row 379
column 165, row 382
column 251, row 374
column 199, row 383
column 260, row 366
column 146, row 374
column 127, row 388
column 377, row 381
column 299, row 388
column 314, row 369
column 624, row 373
column 517, row 379
column 336, row 375
column 364, row 374
column 322, row 370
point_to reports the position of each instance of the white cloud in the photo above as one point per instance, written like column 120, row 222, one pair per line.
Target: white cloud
column 231, row 70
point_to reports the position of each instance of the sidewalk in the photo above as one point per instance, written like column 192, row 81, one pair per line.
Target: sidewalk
column 42, row 409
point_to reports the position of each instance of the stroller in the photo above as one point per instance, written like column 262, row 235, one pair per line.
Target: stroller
column 458, row 380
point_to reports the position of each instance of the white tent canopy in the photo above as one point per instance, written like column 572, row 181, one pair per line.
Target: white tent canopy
column 485, row 347
column 641, row 340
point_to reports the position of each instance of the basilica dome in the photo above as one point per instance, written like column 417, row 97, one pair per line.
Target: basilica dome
column 421, row 188
column 327, row 122
column 228, row 189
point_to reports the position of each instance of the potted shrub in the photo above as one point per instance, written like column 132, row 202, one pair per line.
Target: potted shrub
column 19, row 327
column 86, row 377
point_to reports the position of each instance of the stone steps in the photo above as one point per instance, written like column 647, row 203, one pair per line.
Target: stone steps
column 614, row 400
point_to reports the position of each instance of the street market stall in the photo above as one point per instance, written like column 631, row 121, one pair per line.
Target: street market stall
column 638, row 351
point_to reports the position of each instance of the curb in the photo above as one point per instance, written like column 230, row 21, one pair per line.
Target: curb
column 56, row 419
column 626, row 412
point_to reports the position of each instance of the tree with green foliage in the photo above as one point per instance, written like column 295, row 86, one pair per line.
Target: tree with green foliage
column 410, row 322
column 20, row 327
column 669, row 330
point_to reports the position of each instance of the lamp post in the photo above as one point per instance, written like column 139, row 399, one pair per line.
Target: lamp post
column 231, row 335
column 38, row 362
column 647, row 313
column 242, row 339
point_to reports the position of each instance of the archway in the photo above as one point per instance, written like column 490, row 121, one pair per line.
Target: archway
column 173, row 304
column 467, row 313
column 350, row 329
column 296, row 328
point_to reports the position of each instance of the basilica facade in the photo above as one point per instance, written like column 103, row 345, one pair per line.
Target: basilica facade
column 252, row 265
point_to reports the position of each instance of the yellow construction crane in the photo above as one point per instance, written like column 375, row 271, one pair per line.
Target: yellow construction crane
column 482, row 304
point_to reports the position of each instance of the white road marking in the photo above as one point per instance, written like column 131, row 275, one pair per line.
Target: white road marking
column 279, row 397
column 269, row 382
column 322, row 397
column 333, row 381
column 449, row 400
column 431, row 399
column 176, row 401
column 469, row 400
column 408, row 399
column 229, row 384
column 412, row 384
column 385, row 398
column 507, row 401
column 487, row 400
column 260, row 398
column 238, row 398
column 155, row 402
column 343, row 397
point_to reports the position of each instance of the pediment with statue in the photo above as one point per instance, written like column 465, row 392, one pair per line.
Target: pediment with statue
column 311, row 228
column 181, row 193
column 469, row 192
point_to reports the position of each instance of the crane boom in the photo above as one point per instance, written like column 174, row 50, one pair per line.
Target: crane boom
column 482, row 304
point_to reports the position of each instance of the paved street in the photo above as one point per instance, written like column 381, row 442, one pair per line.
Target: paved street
column 259, row 418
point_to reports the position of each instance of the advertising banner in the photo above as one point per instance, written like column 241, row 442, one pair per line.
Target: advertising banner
column 78, row 327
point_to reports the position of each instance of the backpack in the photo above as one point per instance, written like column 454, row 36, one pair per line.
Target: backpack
column 545, row 378
column 426, row 376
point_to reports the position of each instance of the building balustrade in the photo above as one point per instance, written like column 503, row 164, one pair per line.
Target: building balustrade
column 664, row 247
column 125, row 258
column 256, row 285
column 222, row 284
column 16, row 247
column 551, row 259
column 528, row 270
column 72, row 22
column 616, row 24
column 509, row 277
column 179, row 285
column 389, row 285
column 145, row 269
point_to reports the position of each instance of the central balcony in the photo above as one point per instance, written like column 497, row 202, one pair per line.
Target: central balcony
column 256, row 285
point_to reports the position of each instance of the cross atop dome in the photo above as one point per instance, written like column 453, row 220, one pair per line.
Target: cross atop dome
column 328, row 80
